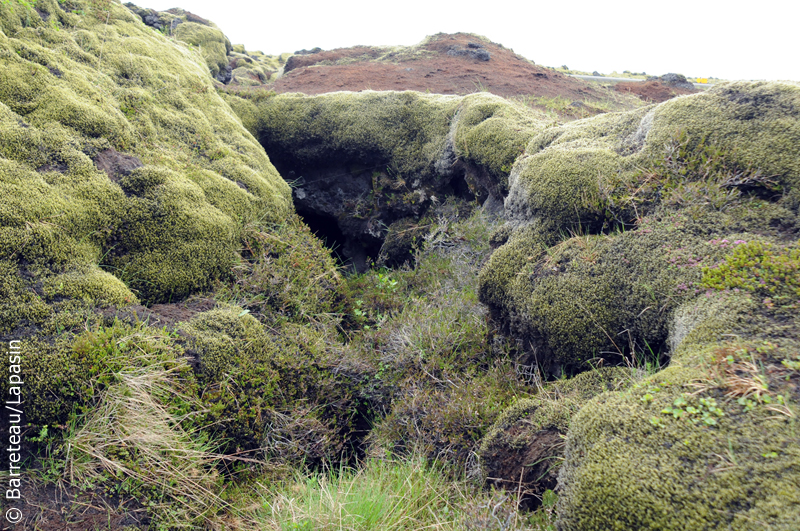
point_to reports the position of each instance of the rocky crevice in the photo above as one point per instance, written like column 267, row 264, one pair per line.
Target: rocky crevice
column 351, row 207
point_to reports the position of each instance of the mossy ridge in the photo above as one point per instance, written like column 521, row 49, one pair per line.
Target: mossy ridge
column 287, row 393
column 564, row 189
column 112, row 90
column 419, row 136
column 115, row 408
column 730, row 120
column 579, row 390
column 228, row 64
column 491, row 133
column 756, row 123
column 361, row 126
column 587, row 153
column 366, row 160
column 213, row 45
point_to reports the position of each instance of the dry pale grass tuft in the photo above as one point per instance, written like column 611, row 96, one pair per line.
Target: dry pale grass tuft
column 745, row 374
column 133, row 436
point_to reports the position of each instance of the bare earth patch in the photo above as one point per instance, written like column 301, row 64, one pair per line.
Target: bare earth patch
column 446, row 64
column 651, row 91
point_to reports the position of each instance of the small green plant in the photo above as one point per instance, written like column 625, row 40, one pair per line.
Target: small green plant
column 752, row 374
column 43, row 435
column 360, row 315
column 386, row 283
column 791, row 364
column 746, row 403
column 705, row 411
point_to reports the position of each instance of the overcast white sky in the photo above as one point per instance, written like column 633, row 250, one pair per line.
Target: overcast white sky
column 725, row 39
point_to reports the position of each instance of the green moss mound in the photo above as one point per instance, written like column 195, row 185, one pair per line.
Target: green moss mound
column 212, row 44
column 708, row 443
column 752, row 125
column 119, row 157
column 405, row 128
column 611, row 219
column 65, row 377
column 664, row 233
column 592, row 299
column 275, row 391
column 490, row 133
column 756, row 122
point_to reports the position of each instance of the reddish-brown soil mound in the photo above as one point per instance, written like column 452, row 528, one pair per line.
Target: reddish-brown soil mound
column 445, row 64
column 651, row 91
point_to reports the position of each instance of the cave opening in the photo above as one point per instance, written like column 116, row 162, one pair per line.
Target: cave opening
column 326, row 229
column 355, row 255
column 460, row 188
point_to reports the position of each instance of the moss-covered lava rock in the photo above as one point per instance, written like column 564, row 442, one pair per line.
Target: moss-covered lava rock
column 360, row 161
column 611, row 219
column 708, row 443
column 285, row 392
column 665, row 234
column 118, row 157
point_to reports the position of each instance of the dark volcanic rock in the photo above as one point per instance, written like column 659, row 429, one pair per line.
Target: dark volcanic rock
column 116, row 164
column 308, row 52
column 345, row 205
column 225, row 74
column 402, row 238
column 473, row 50
column 149, row 16
column 673, row 80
